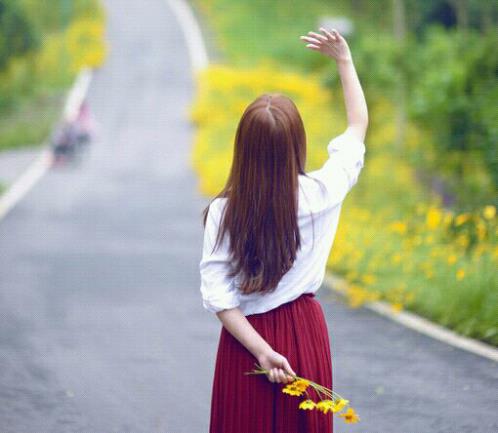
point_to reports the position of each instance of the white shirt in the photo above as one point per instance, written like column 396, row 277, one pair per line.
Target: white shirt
column 324, row 197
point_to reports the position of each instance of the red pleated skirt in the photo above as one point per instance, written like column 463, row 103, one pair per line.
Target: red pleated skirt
column 251, row 403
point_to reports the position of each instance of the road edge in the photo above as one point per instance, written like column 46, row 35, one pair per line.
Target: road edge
column 192, row 33
column 36, row 170
column 417, row 323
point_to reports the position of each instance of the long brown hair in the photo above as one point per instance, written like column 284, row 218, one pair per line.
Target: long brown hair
column 262, row 189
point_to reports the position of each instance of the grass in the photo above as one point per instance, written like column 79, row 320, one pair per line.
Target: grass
column 30, row 122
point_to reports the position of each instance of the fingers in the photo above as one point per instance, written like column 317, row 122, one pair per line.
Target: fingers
column 315, row 43
column 279, row 370
column 278, row 375
column 312, row 40
column 288, row 368
column 286, row 378
column 283, row 377
column 317, row 36
column 338, row 37
column 316, row 40
column 333, row 36
column 289, row 379
column 273, row 375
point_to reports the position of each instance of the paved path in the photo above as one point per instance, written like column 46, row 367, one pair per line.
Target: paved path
column 101, row 324
column 14, row 162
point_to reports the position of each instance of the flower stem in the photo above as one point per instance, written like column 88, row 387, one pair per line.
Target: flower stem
column 319, row 388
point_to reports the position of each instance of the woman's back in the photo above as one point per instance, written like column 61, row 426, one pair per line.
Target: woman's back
column 321, row 194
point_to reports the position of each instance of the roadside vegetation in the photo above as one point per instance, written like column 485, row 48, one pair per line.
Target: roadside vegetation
column 41, row 51
column 419, row 229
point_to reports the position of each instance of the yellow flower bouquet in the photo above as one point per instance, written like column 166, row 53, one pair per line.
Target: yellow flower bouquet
column 330, row 401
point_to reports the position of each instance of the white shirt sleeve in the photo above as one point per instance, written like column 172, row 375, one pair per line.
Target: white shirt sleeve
column 217, row 289
column 341, row 170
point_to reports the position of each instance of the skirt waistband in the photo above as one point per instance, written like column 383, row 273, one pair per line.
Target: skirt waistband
column 301, row 296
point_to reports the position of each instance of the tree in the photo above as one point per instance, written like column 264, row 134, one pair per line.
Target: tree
column 399, row 30
column 18, row 34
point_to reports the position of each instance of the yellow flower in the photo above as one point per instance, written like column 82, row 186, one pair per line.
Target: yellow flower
column 368, row 278
column 325, row 405
column 292, row 389
column 356, row 296
column 433, row 218
column 481, row 230
column 307, row 404
column 297, row 387
column 460, row 274
column 460, row 219
column 396, row 307
column 396, row 258
column 398, row 226
column 339, row 405
column 452, row 259
column 350, row 416
column 301, row 384
column 489, row 212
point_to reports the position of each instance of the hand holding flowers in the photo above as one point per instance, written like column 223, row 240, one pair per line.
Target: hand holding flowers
column 277, row 367
column 331, row 401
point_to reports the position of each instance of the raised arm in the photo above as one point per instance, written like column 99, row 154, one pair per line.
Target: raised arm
column 346, row 152
column 333, row 45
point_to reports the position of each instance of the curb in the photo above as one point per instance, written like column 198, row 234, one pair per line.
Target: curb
column 35, row 171
column 418, row 323
column 192, row 33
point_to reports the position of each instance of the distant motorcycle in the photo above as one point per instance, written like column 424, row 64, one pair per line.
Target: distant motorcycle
column 84, row 124
column 65, row 141
column 71, row 135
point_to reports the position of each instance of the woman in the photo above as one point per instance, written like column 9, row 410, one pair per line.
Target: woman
column 267, row 237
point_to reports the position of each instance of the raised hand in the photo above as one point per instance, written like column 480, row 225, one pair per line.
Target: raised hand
column 330, row 44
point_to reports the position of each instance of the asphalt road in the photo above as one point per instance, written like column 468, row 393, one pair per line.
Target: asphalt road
column 101, row 324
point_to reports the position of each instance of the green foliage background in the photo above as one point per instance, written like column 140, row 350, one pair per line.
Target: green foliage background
column 449, row 69
column 31, row 92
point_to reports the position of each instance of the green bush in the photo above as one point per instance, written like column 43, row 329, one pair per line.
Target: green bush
column 18, row 34
column 454, row 95
column 42, row 49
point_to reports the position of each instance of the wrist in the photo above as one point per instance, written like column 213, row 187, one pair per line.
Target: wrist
column 263, row 352
column 344, row 61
